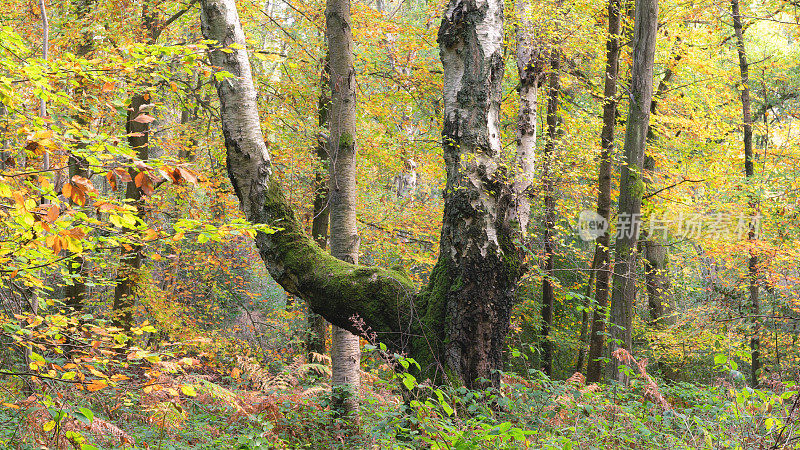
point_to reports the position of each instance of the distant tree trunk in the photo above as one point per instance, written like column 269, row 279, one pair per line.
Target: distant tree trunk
column 585, row 318
column 600, row 263
column 631, row 186
column 75, row 291
column 456, row 327
column 747, row 120
column 131, row 259
column 548, row 296
column 318, row 326
column 345, row 348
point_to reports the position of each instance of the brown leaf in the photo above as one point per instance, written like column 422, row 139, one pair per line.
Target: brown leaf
column 83, row 183
column 188, row 174
column 123, row 174
column 52, row 213
column 144, row 118
column 141, row 165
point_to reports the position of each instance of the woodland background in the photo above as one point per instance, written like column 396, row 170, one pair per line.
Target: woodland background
column 204, row 350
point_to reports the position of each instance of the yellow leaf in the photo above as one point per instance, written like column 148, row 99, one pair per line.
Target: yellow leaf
column 10, row 405
column 188, row 390
column 49, row 425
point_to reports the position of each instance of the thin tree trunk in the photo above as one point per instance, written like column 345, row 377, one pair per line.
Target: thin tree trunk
column 631, row 185
column 318, row 326
column 345, row 349
column 45, row 55
column 548, row 296
column 747, row 121
column 601, row 263
column 585, row 320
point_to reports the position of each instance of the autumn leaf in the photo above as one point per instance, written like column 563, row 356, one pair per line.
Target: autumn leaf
column 97, row 385
column 144, row 118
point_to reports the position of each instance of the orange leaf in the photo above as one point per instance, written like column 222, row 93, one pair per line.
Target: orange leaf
column 52, row 213
column 112, row 180
column 96, row 385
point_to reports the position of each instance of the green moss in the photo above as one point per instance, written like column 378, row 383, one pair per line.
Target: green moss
column 346, row 140
column 636, row 185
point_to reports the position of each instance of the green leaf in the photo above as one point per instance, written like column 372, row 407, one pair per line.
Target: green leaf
column 85, row 415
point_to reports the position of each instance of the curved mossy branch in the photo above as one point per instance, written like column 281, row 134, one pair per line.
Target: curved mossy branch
column 338, row 291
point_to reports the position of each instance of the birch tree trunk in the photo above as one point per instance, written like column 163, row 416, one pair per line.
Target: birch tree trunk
column 601, row 263
column 747, row 138
column 631, row 184
column 345, row 349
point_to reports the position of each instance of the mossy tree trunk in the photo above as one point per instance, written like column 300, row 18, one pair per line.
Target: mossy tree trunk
column 631, row 184
column 601, row 261
column 456, row 326
column 75, row 290
column 345, row 349
column 532, row 64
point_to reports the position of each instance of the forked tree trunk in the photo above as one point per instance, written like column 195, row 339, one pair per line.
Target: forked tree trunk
column 600, row 262
column 455, row 328
column 747, row 138
column 631, row 186
column 345, row 349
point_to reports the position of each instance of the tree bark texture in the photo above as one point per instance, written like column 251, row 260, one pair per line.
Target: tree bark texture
column 656, row 252
column 345, row 349
column 456, row 326
column 601, row 262
column 631, row 189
